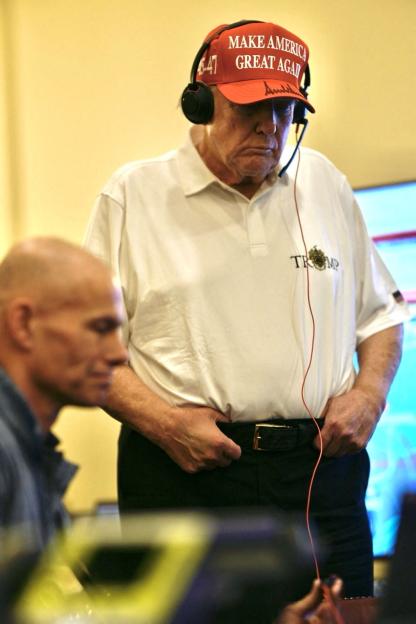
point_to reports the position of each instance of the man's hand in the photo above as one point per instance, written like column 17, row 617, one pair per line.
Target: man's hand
column 189, row 435
column 194, row 441
column 313, row 609
column 350, row 420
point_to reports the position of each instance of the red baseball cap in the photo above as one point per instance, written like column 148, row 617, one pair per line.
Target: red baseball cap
column 255, row 61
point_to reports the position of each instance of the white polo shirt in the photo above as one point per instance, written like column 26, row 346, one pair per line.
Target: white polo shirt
column 215, row 284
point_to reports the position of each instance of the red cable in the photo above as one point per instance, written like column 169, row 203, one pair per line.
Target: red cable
column 326, row 590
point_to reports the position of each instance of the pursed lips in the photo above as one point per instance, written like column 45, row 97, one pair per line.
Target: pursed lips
column 270, row 146
column 262, row 150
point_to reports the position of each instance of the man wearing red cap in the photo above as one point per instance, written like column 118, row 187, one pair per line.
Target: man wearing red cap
column 249, row 282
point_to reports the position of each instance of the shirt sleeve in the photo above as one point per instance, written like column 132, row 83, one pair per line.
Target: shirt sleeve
column 103, row 238
column 378, row 305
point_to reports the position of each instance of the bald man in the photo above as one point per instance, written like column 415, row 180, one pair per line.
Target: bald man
column 59, row 343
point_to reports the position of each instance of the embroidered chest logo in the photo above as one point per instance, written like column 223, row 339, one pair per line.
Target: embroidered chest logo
column 316, row 259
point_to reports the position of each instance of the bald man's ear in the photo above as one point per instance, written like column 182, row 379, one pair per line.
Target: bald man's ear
column 19, row 316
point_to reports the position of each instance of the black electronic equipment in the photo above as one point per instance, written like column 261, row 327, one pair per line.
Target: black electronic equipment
column 231, row 568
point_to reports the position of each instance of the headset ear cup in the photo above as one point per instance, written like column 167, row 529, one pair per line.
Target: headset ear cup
column 299, row 113
column 197, row 103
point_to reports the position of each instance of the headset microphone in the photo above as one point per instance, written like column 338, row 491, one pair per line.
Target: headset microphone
column 299, row 118
column 304, row 123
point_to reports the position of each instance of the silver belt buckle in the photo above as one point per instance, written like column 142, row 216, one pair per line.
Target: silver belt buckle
column 257, row 432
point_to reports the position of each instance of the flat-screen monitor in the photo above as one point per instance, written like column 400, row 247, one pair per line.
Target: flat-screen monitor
column 390, row 214
column 398, row 603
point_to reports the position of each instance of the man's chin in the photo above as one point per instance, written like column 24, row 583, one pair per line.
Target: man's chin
column 257, row 173
column 95, row 398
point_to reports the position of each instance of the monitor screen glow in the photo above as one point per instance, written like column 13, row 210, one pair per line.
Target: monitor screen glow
column 390, row 214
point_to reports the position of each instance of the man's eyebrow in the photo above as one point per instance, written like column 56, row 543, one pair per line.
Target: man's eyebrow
column 110, row 320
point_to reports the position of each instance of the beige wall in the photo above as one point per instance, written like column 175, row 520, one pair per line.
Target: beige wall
column 90, row 84
column 5, row 139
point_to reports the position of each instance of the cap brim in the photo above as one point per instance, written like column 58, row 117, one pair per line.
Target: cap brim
column 249, row 91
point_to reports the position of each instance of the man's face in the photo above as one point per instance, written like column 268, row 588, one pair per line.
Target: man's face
column 77, row 345
column 244, row 143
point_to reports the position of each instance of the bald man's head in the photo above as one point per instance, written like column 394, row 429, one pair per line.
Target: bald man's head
column 50, row 270
column 59, row 317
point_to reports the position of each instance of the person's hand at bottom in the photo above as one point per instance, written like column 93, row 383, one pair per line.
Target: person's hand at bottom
column 315, row 607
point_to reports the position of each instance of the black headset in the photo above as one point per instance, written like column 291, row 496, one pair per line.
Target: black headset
column 197, row 100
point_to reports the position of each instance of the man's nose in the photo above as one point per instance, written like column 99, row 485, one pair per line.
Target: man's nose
column 267, row 118
column 116, row 352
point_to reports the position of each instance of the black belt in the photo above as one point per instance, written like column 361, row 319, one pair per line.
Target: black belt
column 272, row 435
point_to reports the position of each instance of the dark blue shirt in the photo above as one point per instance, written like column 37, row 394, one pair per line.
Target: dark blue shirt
column 33, row 474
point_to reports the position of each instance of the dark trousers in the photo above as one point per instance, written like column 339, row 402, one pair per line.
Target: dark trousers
column 149, row 480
